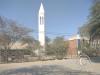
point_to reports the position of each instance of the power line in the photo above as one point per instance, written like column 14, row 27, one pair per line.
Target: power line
column 53, row 33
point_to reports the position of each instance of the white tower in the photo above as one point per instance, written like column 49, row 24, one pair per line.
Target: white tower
column 41, row 22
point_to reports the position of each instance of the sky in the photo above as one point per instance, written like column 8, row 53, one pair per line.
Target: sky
column 62, row 17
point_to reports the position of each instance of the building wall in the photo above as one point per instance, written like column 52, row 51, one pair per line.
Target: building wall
column 72, row 48
column 19, row 45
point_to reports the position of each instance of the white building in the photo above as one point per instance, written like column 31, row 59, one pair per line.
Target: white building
column 41, row 23
column 19, row 45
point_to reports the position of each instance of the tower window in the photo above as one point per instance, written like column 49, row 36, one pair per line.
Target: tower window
column 42, row 20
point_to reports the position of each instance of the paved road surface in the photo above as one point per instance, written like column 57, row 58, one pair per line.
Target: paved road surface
column 53, row 67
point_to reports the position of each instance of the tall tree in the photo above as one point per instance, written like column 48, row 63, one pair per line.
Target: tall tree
column 11, row 32
column 92, row 27
column 58, row 47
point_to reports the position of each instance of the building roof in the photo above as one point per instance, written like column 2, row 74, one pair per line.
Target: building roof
column 77, row 37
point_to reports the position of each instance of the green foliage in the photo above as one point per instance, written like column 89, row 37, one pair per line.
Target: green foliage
column 57, row 48
column 92, row 27
column 36, row 45
column 86, row 48
column 49, row 48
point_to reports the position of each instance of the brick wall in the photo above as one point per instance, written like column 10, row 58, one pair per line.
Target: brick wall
column 72, row 48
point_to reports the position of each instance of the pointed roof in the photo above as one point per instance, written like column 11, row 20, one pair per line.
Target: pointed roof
column 41, row 8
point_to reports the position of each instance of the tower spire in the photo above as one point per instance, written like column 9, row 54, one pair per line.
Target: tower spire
column 41, row 8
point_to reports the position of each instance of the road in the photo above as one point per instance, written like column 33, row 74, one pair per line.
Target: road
column 51, row 67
